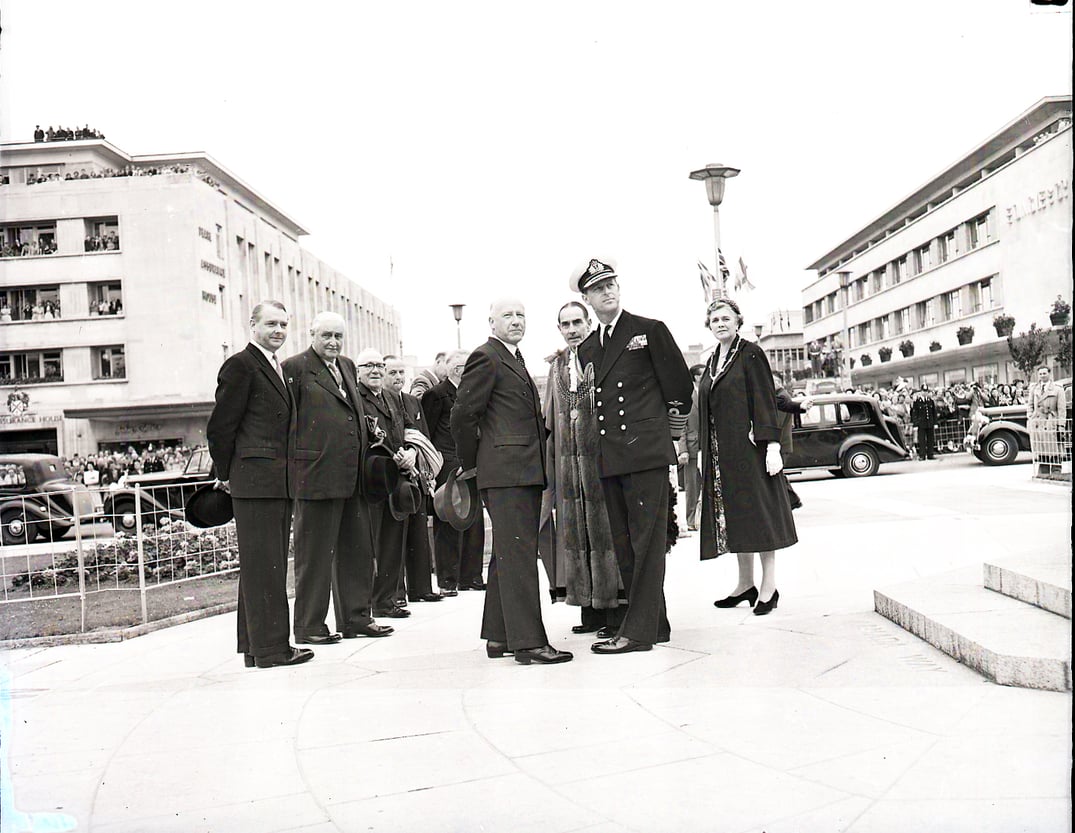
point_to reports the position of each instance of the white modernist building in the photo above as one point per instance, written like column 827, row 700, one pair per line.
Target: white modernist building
column 126, row 280
column 915, row 292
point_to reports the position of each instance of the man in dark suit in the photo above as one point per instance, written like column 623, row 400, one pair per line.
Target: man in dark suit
column 417, row 562
column 248, row 441
column 499, row 429
column 788, row 407
column 640, row 379
column 458, row 555
column 388, row 532
column 333, row 538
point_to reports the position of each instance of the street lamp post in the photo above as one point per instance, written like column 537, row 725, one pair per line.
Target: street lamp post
column 457, row 311
column 845, row 335
column 714, row 177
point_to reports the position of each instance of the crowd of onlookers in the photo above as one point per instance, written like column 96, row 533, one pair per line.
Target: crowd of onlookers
column 127, row 170
column 955, row 406
column 107, row 467
column 101, row 242
column 37, row 246
column 39, row 311
column 62, row 134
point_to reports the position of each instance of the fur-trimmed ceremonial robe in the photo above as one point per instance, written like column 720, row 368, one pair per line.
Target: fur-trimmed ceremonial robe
column 577, row 546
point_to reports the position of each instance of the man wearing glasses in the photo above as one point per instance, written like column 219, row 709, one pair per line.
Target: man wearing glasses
column 333, row 534
column 390, row 421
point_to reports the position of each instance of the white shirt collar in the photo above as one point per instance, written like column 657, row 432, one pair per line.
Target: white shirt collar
column 268, row 354
column 511, row 347
column 610, row 327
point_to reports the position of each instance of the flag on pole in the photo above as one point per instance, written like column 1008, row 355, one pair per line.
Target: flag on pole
column 741, row 279
column 710, row 285
column 725, row 273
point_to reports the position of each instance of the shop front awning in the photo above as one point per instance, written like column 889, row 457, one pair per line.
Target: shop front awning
column 142, row 410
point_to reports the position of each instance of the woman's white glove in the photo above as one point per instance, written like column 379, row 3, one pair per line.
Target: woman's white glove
column 774, row 464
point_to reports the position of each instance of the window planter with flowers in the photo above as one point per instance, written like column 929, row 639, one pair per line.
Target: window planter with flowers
column 934, row 346
column 965, row 335
column 1059, row 312
column 866, row 359
column 885, row 353
column 1003, row 324
column 907, row 348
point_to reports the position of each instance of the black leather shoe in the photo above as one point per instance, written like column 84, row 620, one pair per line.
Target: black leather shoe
column 607, row 632
column 496, row 650
column 761, row 608
column 294, row 656
column 546, row 655
column 477, row 584
column 449, row 592
column 248, row 660
column 750, row 596
column 428, row 597
column 370, row 629
column 394, row 612
column 319, row 639
column 620, row 645
column 584, row 628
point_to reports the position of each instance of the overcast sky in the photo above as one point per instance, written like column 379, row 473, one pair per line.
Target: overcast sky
column 485, row 149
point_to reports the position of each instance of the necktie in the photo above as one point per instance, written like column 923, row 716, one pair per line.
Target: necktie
column 276, row 367
column 336, row 375
column 519, row 356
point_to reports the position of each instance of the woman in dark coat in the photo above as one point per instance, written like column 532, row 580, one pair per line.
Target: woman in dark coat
column 745, row 508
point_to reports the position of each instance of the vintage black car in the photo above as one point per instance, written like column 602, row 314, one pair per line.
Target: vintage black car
column 999, row 433
column 163, row 494
column 39, row 500
column 847, row 434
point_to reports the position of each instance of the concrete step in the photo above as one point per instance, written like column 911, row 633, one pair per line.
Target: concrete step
column 1008, row 641
column 1043, row 581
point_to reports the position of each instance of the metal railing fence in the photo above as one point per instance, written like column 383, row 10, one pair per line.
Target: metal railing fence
column 53, row 549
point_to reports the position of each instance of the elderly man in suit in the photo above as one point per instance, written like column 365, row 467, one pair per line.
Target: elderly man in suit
column 499, row 429
column 333, row 537
column 640, row 379
column 417, row 561
column 458, row 555
column 390, row 422
column 248, row 441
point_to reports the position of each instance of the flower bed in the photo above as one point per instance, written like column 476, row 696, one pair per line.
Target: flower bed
column 173, row 551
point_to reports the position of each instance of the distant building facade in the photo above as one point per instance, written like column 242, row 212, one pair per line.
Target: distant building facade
column 990, row 234
column 126, row 281
column 781, row 337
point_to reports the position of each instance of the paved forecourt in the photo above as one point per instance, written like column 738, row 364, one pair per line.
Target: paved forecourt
column 822, row 716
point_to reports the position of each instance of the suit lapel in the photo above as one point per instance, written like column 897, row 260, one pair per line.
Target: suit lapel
column 267, row 369
column 322, row 375
column 510, row 360
column 621, row 334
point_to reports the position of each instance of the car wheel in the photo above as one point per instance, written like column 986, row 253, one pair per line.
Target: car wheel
column 1000, row 448
column 123, row 516
column 15, row 529
column 860, row 461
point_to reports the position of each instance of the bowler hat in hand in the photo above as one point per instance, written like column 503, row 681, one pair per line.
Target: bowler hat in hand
column 380, row 474
column 208, row 506
column 456, row 501
column 406, row 499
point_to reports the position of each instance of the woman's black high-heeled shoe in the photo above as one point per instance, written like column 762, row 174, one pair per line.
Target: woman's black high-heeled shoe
column 750, row 596
column 761, row 608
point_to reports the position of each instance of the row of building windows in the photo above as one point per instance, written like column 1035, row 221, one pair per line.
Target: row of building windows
column 271, row 281
column 966, row 237
column 39, row 238
column 42, row 303
column 34, row 367
column 973, row 298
